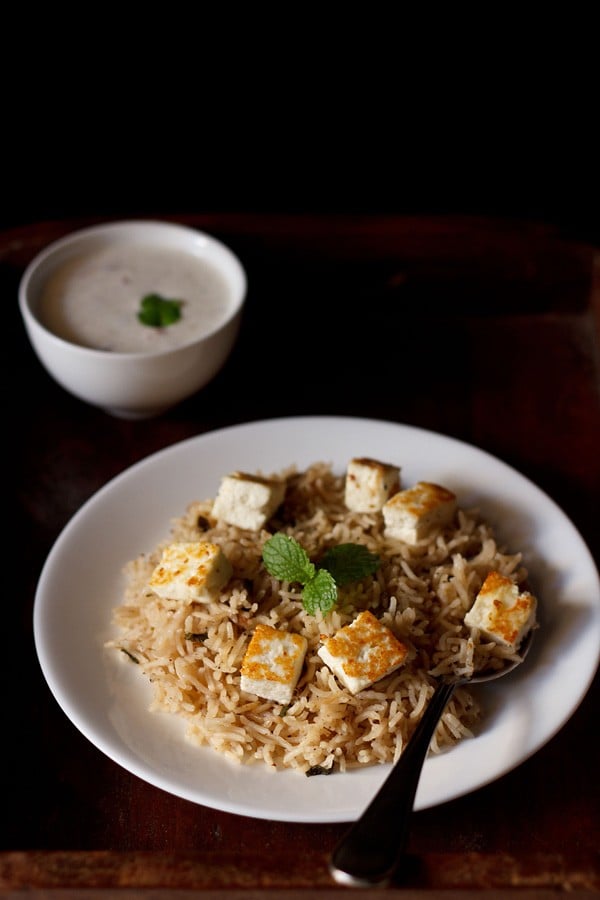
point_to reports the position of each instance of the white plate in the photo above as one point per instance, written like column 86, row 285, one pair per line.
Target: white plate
column 82, row 581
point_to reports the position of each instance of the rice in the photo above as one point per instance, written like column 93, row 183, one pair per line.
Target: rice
column 192, row 652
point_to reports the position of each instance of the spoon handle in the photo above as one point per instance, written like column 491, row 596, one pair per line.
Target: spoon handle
column 370, row 851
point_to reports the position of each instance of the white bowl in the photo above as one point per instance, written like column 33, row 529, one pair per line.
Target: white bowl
column 143, row 382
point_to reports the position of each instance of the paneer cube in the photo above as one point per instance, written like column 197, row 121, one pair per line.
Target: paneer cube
column 247, row 501
column 369, row 483
column 410, row 515
column 191, row 571
column 363, row 652
column 501, row 612
column 272, row 664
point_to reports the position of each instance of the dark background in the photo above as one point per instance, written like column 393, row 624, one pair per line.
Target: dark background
column 372, row 111
column 510, row 182
column 527, row 151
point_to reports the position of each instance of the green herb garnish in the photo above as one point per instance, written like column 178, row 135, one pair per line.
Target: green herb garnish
column 287, row 560
column 350, row 562
column 320, row 593
column 158, row 311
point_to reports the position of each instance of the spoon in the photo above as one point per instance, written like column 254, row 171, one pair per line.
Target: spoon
column 369, row 853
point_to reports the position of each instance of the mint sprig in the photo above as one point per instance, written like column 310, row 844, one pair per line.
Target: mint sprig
column 159, row 311
column 320, row 593
column 350, row 562
column 286, row 559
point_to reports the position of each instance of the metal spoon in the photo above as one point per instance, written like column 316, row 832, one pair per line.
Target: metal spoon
column 369, row 853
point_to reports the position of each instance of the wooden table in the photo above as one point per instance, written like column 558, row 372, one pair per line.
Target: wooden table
column 498, row 323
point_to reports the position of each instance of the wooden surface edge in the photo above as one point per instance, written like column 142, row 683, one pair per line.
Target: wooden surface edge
column 100, row 869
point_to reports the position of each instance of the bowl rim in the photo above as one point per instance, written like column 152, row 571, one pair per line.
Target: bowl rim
column 33, row 321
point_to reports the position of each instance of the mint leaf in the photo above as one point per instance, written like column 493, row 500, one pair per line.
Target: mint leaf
column 319, row 593
column 158, row 311
column 285, row 559
column 350, row 562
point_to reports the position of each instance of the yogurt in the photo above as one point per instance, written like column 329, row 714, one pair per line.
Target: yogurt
column 94, row 299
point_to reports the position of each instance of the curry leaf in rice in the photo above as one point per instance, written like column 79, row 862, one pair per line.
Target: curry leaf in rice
column 318, row 770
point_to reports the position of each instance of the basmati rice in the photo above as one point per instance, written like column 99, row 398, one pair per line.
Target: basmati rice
column 192, row 652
